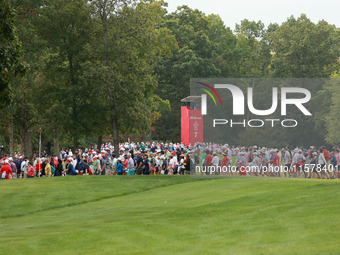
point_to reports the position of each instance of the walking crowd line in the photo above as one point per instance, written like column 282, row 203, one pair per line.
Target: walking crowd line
column 177, row 159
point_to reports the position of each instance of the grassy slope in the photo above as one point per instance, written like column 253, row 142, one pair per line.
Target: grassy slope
column 221, row 216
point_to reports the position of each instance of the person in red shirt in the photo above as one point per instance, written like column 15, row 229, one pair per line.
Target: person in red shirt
column 30, row 170
column 225, row 161
column 125, row 162
column 276, row 163
column 6, row 168
column 38, row 167
column 208, row 160
column 326, row 153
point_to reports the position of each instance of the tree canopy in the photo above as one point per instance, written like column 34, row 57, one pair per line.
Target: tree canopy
column 119, row 68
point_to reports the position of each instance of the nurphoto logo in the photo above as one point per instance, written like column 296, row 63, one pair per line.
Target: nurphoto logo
column 280, row 98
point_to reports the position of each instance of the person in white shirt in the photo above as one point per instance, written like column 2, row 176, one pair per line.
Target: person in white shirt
column 181, row 165
column 24, row 165
column 230, row 153
column 131, row 165
column 255, row 164
column 74, row 161
column 287, row 161
column 171, row 165
column 114, row 162
column 322, row 164
column 215, row 162
column 159, row 163
column 175, row 162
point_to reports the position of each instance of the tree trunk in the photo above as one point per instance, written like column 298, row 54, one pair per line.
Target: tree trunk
column 74, row 99
column 115, row 134
column 100, row 142
column 26, row 143
column 56, row 146
column 11, row 137
column 114, row 122
column 48, row 150
column 29, row 146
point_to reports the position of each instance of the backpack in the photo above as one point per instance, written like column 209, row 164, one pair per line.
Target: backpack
column 52, row 170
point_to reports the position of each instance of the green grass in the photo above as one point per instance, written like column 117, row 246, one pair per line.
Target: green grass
column 169, row 215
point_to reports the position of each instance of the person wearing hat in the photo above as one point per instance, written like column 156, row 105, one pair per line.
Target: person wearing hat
column 153, row 163
column 69, row 166
column 30, row 171
column 171, row 165
column 313, row 163
column 276, row 163
column 208, row 160
column 125, row 163
column 114, row 164
column 6, row 171
column 204, row 155
column 48, row 168
column 322, row 162
column 109, row 163
column 175, row 160
column 131, row 165
column 164, row 165
column 181, row 165
column 215, row 162
column 286, row 159
column 139, row 164
column 337, row 167
column 159, row 163
column 264, row 163
column 17, row 163
column 146, row 165
column 24, row 165
column 241, row 164
column 13, row 166
column 255, row 164
column 96, row 165
column 225, row 163
column 104, row 164
column 295, row 162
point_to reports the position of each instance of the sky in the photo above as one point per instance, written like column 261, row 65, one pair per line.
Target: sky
column 275, row 11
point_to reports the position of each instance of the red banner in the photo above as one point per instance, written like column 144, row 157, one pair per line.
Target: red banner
column 191, row 126
column 185, row 125
column 196, row 127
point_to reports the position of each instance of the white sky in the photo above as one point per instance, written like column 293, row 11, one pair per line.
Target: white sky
column 275, row 11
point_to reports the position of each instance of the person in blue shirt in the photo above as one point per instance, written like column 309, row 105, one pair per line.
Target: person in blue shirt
column 139, row 164
column 333, row 163
column 146, row 164
column 119, row 167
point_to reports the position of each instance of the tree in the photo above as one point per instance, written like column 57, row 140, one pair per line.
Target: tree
column 124, row 63
column 331, row 117
column 68, row 29
column 10, row 52
column 204, row 50
column 252, row 52
column 302, row 49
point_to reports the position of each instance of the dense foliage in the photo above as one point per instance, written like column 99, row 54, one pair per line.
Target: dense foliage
column 119, row 68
